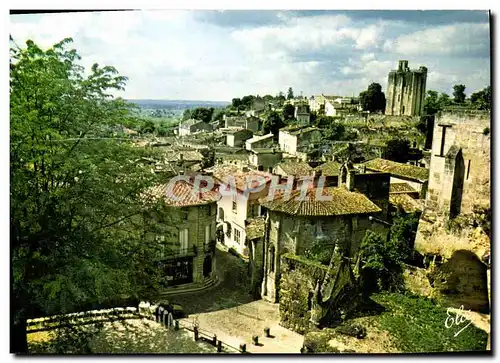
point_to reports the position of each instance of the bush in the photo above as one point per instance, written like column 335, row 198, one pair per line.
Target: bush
column 417, row 325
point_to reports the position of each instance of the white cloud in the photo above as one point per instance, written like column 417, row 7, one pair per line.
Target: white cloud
column 174, row 54
column 465, row 38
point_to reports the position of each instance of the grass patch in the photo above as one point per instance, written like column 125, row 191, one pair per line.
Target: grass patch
column 417, row 324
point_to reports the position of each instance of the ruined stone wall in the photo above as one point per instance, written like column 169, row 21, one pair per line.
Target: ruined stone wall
column 468, row 131
column 298, row 281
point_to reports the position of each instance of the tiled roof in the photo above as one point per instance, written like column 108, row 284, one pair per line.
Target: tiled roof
column 266, row 151
column 399, row 188
column 295, row 168
column 342, row 202
column 229, row 173
column 255, row 228
column 330, row 168
column 187, row 155
column 407, row 203
column 182, row 194
column 259, row 138
column 398, row 169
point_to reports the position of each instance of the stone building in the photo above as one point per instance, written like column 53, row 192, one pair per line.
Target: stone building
column 265, row 159
column 460, row 163
column 295, row 139
column 299, row 226
column 260, row 142
column 187, row 254
column 302, row 114
column 237, row 136
column 192, row 126
column 415, row 176
column 241, row 188
column 250, row 123
column 406, row 90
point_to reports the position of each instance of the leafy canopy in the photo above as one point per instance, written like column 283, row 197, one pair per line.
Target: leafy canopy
column 77, row 222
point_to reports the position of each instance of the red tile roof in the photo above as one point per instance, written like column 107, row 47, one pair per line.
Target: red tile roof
column 342, row 202
column 229, row 173
column 182, row 194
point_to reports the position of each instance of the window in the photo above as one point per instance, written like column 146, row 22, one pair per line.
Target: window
column 208, row 233
column 183, row 239
column 237, row 235
column 234, row 204
column 208, row 210
column 184, row 214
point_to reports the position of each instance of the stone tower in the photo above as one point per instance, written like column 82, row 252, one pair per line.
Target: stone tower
column 406, row 90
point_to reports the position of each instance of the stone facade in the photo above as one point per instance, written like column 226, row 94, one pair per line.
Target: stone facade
column 260, row 142
column 265, row 159
column 192, row 126
column 237, row 138
column 298, row 139
column 196, row 248
column 460, row 163
column 406, row 90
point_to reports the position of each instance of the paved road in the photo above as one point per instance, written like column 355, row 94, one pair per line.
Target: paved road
column 230, row 292
column 237, row 325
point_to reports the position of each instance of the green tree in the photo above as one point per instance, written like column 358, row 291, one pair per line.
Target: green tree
column 459, row 93
column 398, row 149
column 273, row 123
column 289, row 94
column 236, row 102
column 335, row 132
column 288, row 112
column 186, row 115
column 77, row 221
column 148, row 127
column 373, row 99
column 247, row 101
column 202, row 114
column 431, row 106
column 482, row 99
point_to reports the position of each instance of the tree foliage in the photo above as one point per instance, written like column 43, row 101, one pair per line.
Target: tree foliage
column 482, row 99
column 382, row 259
column 288, row 112
column 273, row 123
column 77, row 222
column 459, row 93
column 289, row 94
column 398, row 149
column 373, row 99
column 203, row 114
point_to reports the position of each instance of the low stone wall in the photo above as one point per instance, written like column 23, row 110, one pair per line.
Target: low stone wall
column 298, row 282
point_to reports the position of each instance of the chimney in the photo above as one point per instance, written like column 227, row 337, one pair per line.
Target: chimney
column 349, row 183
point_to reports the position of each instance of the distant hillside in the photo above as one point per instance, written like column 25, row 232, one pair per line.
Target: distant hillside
column 177, row 104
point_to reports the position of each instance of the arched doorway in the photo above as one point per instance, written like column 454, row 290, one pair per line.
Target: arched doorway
column 207, row 266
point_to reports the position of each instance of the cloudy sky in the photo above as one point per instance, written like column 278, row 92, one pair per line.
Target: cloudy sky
column 214, row 55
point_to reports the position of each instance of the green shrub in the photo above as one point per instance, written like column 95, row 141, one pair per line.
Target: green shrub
column 417, row 324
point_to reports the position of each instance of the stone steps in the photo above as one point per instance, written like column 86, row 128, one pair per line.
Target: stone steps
column 189, row 288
